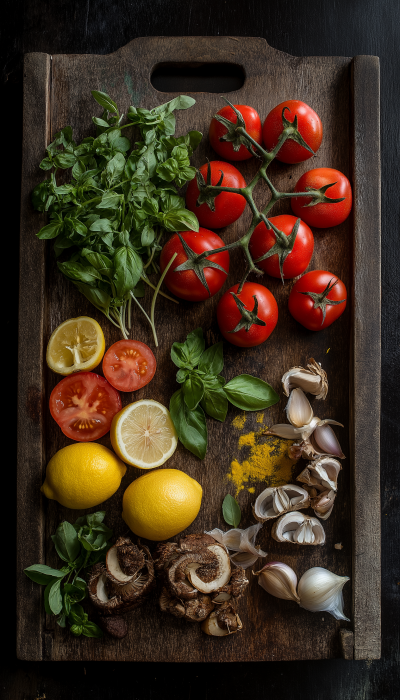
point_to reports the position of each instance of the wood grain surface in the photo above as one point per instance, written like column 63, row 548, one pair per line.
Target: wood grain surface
column 325, row 83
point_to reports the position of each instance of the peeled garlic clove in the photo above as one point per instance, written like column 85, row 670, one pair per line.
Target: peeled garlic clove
column 242, row 542
column 289, row 432
column 279, row 580
column 322, row 504
column 230, row 538
column 312, row 380
column 274, row 501
column 298, row 409
column 299, row 529
column 321, row 590
column 324, row 439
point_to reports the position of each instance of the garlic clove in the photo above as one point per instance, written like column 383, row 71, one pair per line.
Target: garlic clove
column 299, row 529
column 322, row 504
column 230, row 539
column 324, row 439
column 274, row 501
column 298, row 409
column 279, row 580
column 321, row 590
column 326, row 470
column 312, row 482
column 242, row 542
column 245, row 559
column 312, row 380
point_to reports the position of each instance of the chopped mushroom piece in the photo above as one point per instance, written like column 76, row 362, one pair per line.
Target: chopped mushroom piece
column 222, row 622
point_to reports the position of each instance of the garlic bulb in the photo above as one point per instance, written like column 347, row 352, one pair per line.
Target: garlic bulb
column 274, row 501
column 279, row 580
column 298, row 410
column 312, row 380
column 242, row 542
column 321, row 473
column 321, row 591
column 299, row 529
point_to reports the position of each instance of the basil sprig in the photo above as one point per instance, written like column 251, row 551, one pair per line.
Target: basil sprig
column 80, row 546
column 108, row 219
column 203, row 390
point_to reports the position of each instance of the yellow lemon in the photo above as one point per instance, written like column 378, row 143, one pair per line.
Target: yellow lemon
column 143, row 434
column 83, row 475
column 160, row 504
column 77, row 345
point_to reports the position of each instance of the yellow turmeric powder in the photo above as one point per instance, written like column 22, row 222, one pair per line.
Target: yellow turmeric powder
column 239, row 421
column 268, row 462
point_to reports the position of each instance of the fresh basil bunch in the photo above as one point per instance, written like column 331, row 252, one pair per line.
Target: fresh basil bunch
column 110, row 217
column 79, row 545
column 204, row 390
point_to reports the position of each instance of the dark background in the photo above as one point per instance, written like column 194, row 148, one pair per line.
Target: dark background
column 301, row 28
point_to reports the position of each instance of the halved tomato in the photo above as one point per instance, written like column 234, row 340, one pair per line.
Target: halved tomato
column 83, row 405
column 129, row 364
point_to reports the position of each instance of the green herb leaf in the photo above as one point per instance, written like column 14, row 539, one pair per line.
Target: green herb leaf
column 190, row 425
column 180, row 220
column 95, row 519
column 55, row 598
column 40, row 573
column 188, row 354
column 250, row 393
column 193, row 391
column 212, row 359
column 214, row 401
column 76, row 630
column 105, row 101
column 231, row 511
column 50, row 231
column 90, row 629
column 66, row 542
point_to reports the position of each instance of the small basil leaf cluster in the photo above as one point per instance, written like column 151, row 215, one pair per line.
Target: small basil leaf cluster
column 79, row 545
column 231, row 510
column 108, row 220
column 204, row 390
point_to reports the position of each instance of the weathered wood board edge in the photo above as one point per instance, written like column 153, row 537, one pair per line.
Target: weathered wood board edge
column 365, row 370
column 32, row 300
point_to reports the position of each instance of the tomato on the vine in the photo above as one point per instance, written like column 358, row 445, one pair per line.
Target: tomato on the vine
column 317, row 299
column 247, row 319
column 228, row 206
column 129, row 365
column 223, row 138
column 83, row 405
column 189, row 283
column 309, row 126
column 325, row 214
column 294, row 256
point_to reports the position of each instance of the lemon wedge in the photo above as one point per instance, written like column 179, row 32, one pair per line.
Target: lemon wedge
column 143, row 434
column 77, row 345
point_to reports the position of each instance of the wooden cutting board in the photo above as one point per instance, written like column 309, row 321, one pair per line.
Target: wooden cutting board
column 345, row 93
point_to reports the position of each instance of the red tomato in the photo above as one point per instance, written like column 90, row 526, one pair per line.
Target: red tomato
column 308, row 124
column 263, row 239
column 128, row 365
column 83, row 405
column 217, row 130
column 186, row 284
column 328, row 214
column 229, row 206
column 308, row 309
column 229, row 315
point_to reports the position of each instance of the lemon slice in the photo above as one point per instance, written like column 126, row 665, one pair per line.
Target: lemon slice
column 76, row 345
column 143, row 434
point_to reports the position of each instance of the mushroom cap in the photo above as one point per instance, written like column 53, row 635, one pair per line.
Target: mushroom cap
column 207, row 579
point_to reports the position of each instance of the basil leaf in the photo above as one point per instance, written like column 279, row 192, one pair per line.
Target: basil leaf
column 214, row 401
column 66, row 542
column 76, row 630
column 115, row 167
column 55, row 598
column 212, row 359
column 180, row 220
column 190, row 425
column 65, row 160
column 231, row 511
column 79, row 272
column 76, row 591
column 193, row 391
column 95, row 519
column 109, row 200
column 50, row 231
column 62, row 620
column 187, row 354
column 77, row 614
column 90, row 629
column 99, row 298
column 103, row 225
column 250, row 393
column 40, row 573
column 105, row 101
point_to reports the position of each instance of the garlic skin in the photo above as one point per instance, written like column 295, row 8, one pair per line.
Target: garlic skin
column 275, row 501
column 298, row 409
column 312, row 380
column 290, row 432
column 321, row 590
column 298, row 529
column 242, row 542
column 279, row 580
column 321, row 473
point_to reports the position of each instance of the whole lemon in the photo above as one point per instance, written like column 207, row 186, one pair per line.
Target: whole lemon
column 83, row 475
column 161, row 503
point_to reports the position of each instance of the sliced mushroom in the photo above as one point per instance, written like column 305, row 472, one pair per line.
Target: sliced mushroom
column 274, row 501
column 101, row 592
column 222, row 622
column 234, row 589
column 123, row 561
column 179, row 582
column 195, row 542
column 299, row 529
column 210, row 578
column 194, row 610
column 165, row 553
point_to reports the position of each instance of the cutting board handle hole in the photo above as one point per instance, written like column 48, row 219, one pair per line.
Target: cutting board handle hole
column 198, row 77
